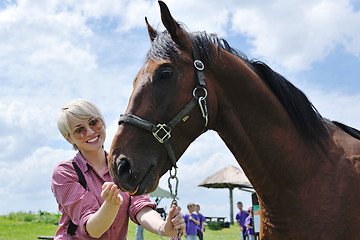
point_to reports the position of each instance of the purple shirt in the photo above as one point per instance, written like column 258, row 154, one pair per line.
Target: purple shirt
column 240, row 217
column 190, row 225
column 201, row 218
column 249, row 231
column 78, row 204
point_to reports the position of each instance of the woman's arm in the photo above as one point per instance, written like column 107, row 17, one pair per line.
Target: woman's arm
column 102, row 219
column 152, row 221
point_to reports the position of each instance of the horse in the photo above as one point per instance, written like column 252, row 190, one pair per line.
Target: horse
column 305, row 168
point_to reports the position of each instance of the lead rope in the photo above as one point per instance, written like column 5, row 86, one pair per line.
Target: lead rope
column 173, row 194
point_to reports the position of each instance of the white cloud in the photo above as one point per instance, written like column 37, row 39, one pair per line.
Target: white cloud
column 24, row 127
column 292, row 34
column 337, row 106
column 210, row 16
column 37, row 34
column 296, row 34
column 52, row 50
column 30, row 180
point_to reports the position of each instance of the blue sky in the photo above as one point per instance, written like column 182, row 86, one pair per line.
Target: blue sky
column 54, row 51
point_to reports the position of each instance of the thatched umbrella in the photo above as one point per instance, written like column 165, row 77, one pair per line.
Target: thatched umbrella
column 230, row 177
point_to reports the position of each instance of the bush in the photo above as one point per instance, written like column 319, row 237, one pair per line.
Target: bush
column 214, row 225
column 22, row 217
column 41, row 216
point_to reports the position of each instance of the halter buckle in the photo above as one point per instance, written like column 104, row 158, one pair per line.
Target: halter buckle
column 164, row 135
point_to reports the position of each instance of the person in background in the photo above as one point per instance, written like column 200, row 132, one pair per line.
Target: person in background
column 249, row 233
column 191, row 221
column 240, row 219
column 98, row 209
column 200, row 227
column 139, row 233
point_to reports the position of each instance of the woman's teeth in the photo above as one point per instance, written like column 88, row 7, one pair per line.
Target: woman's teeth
column 93, row 139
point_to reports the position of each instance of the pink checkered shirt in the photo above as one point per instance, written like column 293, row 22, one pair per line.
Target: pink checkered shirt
column 78, row 204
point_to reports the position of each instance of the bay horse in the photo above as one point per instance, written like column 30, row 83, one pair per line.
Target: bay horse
column 304, row 168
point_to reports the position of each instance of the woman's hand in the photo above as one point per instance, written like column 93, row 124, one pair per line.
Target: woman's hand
column 110, row 194
column 101, row 220
column 174, row 222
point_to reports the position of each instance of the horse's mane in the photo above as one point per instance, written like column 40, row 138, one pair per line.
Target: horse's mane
column 306, row 118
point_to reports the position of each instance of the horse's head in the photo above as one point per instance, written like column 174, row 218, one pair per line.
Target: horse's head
column 166, row 111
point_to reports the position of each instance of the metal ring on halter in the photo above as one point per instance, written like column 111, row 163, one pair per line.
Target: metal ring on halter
column 205, row 92
column 199, row 65
column 171, row 175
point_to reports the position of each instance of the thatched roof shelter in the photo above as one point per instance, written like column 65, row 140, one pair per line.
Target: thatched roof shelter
column 230, row 177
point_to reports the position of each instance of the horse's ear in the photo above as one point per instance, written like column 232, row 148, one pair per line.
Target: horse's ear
column 152, row 32
column 178, row 35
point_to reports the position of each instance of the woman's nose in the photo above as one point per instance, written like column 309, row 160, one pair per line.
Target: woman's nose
column 89, row 130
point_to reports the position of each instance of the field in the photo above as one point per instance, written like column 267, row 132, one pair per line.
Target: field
column 23, row 226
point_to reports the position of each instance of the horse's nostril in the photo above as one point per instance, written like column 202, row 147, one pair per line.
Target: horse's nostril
column 123, row 167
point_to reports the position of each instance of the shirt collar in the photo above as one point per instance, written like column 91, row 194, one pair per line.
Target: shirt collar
column 84, row 165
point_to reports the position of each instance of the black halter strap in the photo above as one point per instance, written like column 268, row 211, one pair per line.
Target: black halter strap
column 161, row 131
column 199, row 65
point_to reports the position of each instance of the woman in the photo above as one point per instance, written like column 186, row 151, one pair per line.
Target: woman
column 98, row 210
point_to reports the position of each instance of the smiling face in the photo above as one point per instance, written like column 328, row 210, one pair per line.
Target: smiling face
column 82, row 124
column 88, row 134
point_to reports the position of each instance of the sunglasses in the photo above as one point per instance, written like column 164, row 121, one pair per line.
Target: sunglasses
column 94, row 123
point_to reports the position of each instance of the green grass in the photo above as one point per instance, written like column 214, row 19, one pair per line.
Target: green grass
column 13, row 229
column 31, row 225
column 224, row 234
column 231, row 233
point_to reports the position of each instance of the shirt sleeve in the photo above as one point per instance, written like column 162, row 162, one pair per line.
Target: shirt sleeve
column 76, row 202
column 186, row 218
column 247, row 221
column 137, row 203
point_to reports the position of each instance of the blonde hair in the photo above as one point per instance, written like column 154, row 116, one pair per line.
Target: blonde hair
column 76, row 110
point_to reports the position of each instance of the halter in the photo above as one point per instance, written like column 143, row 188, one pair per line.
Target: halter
column 162, row 131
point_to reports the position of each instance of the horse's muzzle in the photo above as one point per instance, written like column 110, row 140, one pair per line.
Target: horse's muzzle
column 123, row 175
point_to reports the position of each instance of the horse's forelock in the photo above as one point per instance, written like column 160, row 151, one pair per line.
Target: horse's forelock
column 163, row 47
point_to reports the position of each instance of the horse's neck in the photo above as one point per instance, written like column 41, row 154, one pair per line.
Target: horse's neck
column 291, row 177
column 256, row 128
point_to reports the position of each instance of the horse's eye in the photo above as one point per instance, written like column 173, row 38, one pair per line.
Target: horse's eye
column 166, row 74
